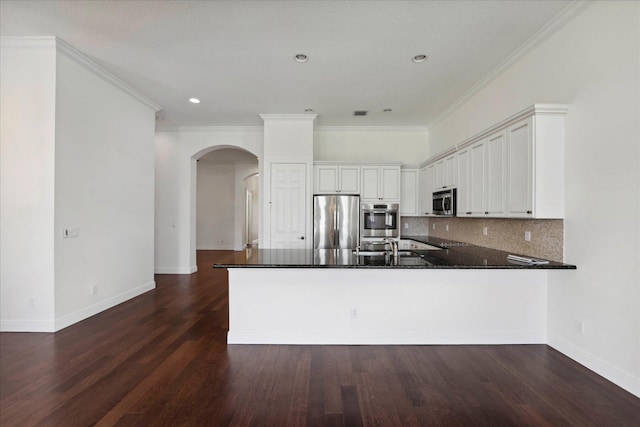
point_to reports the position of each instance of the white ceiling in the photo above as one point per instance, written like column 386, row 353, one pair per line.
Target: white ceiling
column 237, row 56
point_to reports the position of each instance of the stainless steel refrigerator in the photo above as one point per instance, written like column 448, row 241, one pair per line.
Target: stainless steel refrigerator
column 336, row 221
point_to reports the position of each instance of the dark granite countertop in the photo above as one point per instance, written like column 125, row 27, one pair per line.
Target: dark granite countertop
column 454, row 255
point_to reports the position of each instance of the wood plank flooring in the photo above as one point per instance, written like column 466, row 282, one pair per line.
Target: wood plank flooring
column 162, row 359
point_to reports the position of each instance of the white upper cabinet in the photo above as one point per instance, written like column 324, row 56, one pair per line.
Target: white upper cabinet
column 513, row 169
column 380, row 183
column 409, row 200
column 496, row 175
column 463, row 201
column 520, row 140
column 446, row 172
column 425, row 189
column 337, row 179
column 536, row 164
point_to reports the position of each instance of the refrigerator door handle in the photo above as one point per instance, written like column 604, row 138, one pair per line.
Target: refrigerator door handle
column 336, row 228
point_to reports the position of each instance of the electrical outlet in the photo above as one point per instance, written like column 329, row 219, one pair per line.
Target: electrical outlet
column 433, row 226
column 354, row 313
column 446, row 227
column 406, row 225
column 527, row 236
column 485, row 231
column 94, row 290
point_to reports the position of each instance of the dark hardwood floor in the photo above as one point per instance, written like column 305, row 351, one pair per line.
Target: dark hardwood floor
column 162, row 359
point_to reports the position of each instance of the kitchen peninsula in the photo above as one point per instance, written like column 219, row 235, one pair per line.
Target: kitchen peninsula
column 455, row 295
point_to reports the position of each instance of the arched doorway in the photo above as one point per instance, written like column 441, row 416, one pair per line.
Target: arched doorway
column 221, row 198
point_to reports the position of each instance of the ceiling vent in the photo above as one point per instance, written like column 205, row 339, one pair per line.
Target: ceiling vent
column 360, row 113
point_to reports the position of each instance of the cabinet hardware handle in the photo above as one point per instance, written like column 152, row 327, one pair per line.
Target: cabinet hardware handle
column 301, row 237
column 469, row 213
column 486, row 213
column 529, row 212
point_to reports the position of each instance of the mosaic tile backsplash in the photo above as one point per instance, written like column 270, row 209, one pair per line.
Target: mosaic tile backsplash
column 547, row 235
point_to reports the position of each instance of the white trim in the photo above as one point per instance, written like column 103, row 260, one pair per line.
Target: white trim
column 64, row 47
column 560, row 20
column 174, row 270
column 27, row 326
column 101, row 306
column 535, row 109
column 621, row 378
column 28, row 42
column 211, row 129
column 215, row 248
column 372, row 129
column 288, row 117
column 399, row 338
column 99, row 71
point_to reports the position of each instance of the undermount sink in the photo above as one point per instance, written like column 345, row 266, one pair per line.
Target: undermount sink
column 403, row 253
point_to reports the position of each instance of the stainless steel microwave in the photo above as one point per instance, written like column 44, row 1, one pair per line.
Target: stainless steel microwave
column 444, row 202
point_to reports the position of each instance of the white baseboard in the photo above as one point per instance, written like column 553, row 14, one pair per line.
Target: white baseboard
column 175, row 270
column 101, row 306
column 617, row 376
column 384, row 338
column 27, row 326
column 215, row 248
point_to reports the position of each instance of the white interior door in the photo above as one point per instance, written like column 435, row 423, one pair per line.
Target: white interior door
column 288, row 205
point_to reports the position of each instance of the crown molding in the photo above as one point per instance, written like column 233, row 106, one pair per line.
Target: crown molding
column 535, row 109
column 28, row 42
column 372, row 129
column 558, row 22
column 288, row 117
column 211, row 129
column 101, row 72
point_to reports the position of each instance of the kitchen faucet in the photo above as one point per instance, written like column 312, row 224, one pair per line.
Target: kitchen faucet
column 394, row 246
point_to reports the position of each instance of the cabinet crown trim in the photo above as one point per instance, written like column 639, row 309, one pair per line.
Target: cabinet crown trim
column 535, row 109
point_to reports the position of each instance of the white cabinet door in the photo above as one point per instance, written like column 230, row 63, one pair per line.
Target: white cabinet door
column 380, row 183
column 370, row 182
column 463, row 207
column 425, row 192
column 409, row 192
column 496, row 175
column 477, row 164
column 326, row 179
column 349, row 179
column 390, row 183
column 520, row 183
column 337, row 179
column 288, row 205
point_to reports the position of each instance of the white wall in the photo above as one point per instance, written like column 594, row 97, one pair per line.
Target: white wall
column 215, row 206
column 408, row 145
column 27, row 125
column 175, row 214
column 77, row 153
column 593, row 64
column 104, row 189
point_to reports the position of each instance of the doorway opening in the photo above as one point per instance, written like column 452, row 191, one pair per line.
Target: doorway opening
column 222, row 213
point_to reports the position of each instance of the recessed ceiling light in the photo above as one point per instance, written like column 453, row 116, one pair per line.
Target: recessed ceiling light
column 419, row 58
column 387, row 110
column 194, row 100
column 308, row 110
column 301, row 57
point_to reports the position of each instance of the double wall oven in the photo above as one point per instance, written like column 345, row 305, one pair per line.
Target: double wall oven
column 379, row 220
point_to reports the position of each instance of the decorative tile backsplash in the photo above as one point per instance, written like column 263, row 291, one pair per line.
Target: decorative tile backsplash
column 547, row 235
